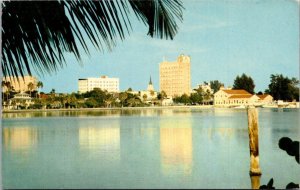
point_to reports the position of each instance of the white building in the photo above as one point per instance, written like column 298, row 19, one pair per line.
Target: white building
column 104, row 83
column 20, row 100
column 232, row 98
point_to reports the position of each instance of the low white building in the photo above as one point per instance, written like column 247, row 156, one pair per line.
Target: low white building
column 104, row 83
column 232, row 98
column 265, row 99
column 20, row 100
column 167, row 101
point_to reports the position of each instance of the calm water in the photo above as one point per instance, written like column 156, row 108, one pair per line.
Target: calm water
column 154, row 148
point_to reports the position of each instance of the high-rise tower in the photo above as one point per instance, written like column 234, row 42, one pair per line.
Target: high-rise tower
column 175, row 77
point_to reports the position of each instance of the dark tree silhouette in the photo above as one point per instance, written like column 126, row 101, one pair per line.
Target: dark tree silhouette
column 216, row 85
column 284, row 88
column 36, row 34
column 244, row 82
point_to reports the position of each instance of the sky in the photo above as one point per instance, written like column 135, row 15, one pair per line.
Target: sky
column 223, row 38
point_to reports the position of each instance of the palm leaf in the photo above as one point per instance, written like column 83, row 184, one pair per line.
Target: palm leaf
column 36, row 34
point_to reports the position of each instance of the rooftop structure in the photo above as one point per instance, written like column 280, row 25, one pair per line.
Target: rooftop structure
column 104, row 83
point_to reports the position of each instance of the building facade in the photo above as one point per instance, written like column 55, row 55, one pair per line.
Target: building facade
column 20, row 100
column 265, row 99
column 104, row 83
column 232, row 98
column 20, row 84
column 175, row 77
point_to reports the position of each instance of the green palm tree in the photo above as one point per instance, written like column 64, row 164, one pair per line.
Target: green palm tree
column 8, row 87
column 39, row 85
column 122, row 97
column 30, row 87
column 36, row 34
column 145, row 97
column 3, row 84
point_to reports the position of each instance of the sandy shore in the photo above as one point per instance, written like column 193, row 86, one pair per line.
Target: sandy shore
column 96, row 109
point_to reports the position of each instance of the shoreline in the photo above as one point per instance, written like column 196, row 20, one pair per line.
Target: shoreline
column 103, row 109
column 127, row 108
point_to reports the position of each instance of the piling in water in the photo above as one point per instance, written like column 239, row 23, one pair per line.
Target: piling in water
column 253, row 141
column 255, row 181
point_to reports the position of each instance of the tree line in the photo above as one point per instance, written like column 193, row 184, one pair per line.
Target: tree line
column 96, row 98
column 280, row 88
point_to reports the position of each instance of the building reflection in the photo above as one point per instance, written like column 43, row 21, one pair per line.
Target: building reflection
column 103, row 141
column 19, row 139
column 176, row 147
column 222, row 132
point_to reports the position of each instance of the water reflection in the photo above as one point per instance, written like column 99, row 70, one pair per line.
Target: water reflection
column 176, row 147
column 19, row 139
column 144, row 112
column 102, row 141
column 221, row 133
column 61, row 113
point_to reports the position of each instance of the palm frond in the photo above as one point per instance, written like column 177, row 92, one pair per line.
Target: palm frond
column 36, row 34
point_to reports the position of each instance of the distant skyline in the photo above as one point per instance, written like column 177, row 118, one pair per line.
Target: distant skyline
column 223, row 38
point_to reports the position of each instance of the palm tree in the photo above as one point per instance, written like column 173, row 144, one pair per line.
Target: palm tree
column 122, row 97
column 38, row 39
column 145, row 97
column 3, row 84
column 30, row 87
column 8, row 87
column 108, row 100
column 39, row 85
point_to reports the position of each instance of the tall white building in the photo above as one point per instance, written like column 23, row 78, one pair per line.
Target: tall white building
column 104, row 83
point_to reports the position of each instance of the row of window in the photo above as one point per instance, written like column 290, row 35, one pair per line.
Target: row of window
column 232, row 102
column 220, row 96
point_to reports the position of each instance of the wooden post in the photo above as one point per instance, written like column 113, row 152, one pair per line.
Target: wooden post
column 253, row 141
column 255, row 181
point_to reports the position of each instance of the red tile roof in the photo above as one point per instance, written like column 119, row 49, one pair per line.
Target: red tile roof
column 236, row 92
column 263, row 96
column 236, row 96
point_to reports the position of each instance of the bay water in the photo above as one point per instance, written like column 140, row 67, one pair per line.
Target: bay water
column 144, row 148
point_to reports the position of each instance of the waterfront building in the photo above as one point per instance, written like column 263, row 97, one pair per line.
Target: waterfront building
column 104, row 83
column 233, row 98
column 20, row 100
column 149, row 94
column 265, row 99
column 167, row 101
column 175, row 77
column 20, row 84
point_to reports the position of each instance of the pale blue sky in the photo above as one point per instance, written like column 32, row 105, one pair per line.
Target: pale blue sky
column 223, row 38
